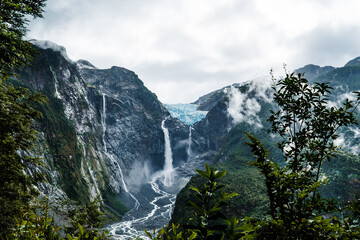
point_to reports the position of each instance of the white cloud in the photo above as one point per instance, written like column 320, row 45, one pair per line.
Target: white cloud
column 340, row 99
column 348, row 143
column 239, row 39
column 244, row 107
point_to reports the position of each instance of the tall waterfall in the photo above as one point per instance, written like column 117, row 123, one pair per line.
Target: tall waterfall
column 103, row 120
column 156, row 208
column 188, row 151
column 168, row 167
column 103, row 123
column 156, row 198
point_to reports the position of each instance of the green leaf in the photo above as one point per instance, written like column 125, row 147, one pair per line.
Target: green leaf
column 197, row 207
column 81, row 229
column 195, row 189
column 208, row 170
column 192, row 236
column 202, row 173
column 148, row 233
column 220, row 174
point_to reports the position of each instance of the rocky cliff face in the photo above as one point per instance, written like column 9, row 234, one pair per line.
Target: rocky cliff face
column 101, row 132
column 99, row 126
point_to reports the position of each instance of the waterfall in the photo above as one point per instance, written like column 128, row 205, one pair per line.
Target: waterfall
column 92, row 175
column 57, row 94
column 103, row 120
column 168, row 167
column 188, row 151
column 103, row 123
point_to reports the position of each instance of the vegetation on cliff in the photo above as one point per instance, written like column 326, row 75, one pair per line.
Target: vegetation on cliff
column 288, row 197
column 20, row 172
column 295, row 187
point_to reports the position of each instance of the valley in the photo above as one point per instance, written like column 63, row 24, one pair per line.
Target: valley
column 105, row 134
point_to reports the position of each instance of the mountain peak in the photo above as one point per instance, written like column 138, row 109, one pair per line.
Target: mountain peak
column 45, row 44
column 312, row 71
column 85, row 64
column 353, row 63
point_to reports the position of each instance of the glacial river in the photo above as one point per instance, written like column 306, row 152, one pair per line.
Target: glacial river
column 154, row 200
column 153, row 210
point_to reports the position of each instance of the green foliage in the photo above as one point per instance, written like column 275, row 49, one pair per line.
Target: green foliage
column 117, row 207
column 233, row 158
column 171, row 233
column 88, row 217
column 30, row 225
column 294, row 181
column 307, row 128
column 18, row 169
column 343, row 173
column 61, row 137
column 14, row 52
column 210, row 201
column 85, row 222
column 209, row 221
column 36, row 221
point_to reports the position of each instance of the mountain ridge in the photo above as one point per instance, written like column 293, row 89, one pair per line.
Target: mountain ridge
column 102, row 131
column 98, row 124
column 233, row 154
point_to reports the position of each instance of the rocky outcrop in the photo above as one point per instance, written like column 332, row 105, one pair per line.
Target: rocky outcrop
column 97, row 124
column 312, row 71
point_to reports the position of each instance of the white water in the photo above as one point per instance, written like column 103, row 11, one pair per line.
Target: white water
column 92, row 176
column 154, row 211
column 103, row 122
column 168, row 167
column 155, row 202
column 188, row 151
column 57, row 94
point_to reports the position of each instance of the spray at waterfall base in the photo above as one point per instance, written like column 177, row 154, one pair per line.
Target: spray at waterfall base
column 155, row 197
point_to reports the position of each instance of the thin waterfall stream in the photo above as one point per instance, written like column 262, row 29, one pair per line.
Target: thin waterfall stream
column 110, row 156
column 188, row 151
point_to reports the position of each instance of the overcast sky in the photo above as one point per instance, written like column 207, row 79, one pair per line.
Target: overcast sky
column 182, row 49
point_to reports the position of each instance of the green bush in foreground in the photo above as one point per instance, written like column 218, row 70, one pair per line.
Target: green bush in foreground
column 209, row 222
column 37, row 222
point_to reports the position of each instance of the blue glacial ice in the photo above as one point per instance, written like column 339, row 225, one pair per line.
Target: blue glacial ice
column 186, row 113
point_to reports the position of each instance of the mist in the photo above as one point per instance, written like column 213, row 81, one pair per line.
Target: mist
column 139, row 174
column 243, row 108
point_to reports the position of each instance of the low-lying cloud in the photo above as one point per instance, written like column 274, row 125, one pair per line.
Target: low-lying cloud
column 244, row 107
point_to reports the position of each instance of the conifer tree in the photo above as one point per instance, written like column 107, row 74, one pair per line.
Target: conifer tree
column 17, row 114
column 14, row 51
